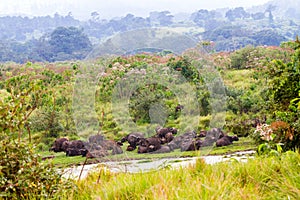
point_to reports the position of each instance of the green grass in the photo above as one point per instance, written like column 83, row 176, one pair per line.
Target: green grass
column 244, row 143
column 62, row 160
column 259, row 178
column 239, row 79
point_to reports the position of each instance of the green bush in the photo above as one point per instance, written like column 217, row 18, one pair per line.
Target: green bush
column 42, row 147
column 240, row 58
column 242, row 126
column 24, row 176
column 204, row 122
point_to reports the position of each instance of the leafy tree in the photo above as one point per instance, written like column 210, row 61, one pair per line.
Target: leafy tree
column 286, row 78
column 70, row 41
column 226, row 32
column 284, row 93
column 22, row 174
column 163, row 18
column 269, row 10
column 240, row 58
column 237, row 13
column 200, row 17
column 23, row 97
column 268, row 37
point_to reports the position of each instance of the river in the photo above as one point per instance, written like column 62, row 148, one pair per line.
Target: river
column 145, row 165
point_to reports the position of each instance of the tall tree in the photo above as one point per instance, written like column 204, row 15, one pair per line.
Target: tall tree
column 68, row 40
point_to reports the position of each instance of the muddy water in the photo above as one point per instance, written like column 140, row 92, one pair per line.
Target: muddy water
column 145, row 165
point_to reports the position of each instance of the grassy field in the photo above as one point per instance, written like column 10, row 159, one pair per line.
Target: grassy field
column 259, row 178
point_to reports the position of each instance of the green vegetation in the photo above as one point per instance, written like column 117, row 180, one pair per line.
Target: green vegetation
column 22, row 174
column 251, row 88
column 262, row 87
column 259, row 178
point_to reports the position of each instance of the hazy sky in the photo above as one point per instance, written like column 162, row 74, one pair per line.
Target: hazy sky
column 112, row 8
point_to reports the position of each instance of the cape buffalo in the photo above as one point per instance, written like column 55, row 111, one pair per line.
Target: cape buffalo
column 58, row 145
column 151, row 144
column 191, row 145
column 132, row 139
column 226, row 140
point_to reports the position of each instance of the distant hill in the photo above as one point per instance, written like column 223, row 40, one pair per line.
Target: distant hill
column 227, row 29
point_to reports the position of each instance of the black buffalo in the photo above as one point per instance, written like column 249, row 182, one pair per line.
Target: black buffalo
column 226, row 140
column 149, row 144
column 180, row 140
column 192, row 145
column 58, row 145
column 132, row 140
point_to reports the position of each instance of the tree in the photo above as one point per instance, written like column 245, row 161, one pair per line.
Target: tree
column 70, row 41
column 95, row 16
column 268, row 37
column 237, row 13
column 163, row 18
column 284, row 93
column 286, row 78
column 269, row 10
column 22, row 174
column 200, row 16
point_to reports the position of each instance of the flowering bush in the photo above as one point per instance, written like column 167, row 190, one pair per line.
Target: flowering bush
column 265, row 132
column 276, row 134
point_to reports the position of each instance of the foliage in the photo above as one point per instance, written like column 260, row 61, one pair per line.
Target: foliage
column 24, row 176
column 284, row 91
column 268, row 37
column 247, row 100
column 241, row 125
column 46, row 92
column 240, row 58
column 278, row 133
column 237, row 13
column 54, row 38
column 147, row 96
column 23, row 97
column 69, row 41
column 285, row 78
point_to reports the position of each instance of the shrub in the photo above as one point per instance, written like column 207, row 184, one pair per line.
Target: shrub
column 204, row 122
column 24, row 176
column 242, row 126
column 278, row 133
column 42, row 147
column 240, row 59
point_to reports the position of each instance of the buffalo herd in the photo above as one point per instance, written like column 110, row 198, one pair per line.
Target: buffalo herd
column 96, row 146
column 164, row 140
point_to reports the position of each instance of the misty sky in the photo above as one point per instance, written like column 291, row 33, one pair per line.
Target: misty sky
column 114, row 8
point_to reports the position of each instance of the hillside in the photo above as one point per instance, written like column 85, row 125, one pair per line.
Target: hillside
column 251, row 94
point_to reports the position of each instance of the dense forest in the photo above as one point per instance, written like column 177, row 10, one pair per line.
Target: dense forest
column 33, row 39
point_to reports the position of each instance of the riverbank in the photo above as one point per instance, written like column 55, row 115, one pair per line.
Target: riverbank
column 63, row 161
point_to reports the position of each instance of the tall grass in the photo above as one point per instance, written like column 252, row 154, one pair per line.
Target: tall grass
column 259, row 178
